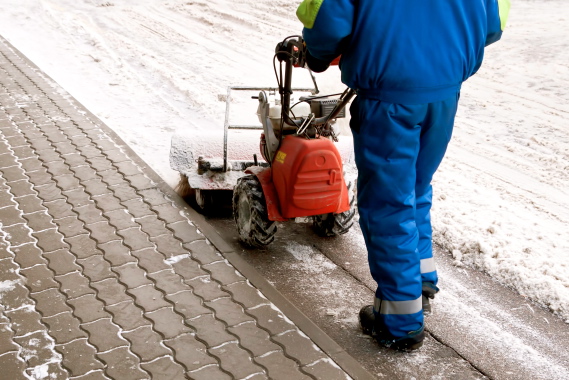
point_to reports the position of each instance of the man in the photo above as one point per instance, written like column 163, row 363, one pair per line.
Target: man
column 407, row 60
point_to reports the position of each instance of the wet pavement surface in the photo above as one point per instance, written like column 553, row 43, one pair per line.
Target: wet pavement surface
column 105, row 275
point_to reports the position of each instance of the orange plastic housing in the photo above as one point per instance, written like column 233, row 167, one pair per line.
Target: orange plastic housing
column 308, row 178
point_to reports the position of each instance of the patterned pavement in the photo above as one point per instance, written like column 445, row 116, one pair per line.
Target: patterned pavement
column 103, row 275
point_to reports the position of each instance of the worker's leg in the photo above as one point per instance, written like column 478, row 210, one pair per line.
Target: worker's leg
column 436, row 131
column 386, row 144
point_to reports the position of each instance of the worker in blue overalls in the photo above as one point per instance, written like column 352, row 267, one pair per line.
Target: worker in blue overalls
column 406, row 59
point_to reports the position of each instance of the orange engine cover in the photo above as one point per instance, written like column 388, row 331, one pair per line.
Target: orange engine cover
column 308, row 178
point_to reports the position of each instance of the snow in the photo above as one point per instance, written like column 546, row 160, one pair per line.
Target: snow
column 153, row 69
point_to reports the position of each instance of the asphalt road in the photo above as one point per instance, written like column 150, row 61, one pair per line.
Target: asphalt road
column 479, row 329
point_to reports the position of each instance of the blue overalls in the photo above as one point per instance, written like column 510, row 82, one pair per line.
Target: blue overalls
column 407, row 59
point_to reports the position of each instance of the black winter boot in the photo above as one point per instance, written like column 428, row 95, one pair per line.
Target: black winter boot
column 412, row 341
column 429, row 291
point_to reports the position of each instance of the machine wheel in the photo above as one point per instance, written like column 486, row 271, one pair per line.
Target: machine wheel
column 204, row 199
column 328, row 225
column 250, row 213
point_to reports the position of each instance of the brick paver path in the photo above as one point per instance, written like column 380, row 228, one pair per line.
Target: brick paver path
column 102, row 276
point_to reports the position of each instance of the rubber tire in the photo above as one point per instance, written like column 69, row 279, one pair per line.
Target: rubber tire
column 250, row 214
column 330, row 225
column 204, row 200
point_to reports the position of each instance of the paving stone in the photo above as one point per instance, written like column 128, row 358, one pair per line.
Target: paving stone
column 77, row 197
column 6, row 340
column 155, row 197
column 188, row 304
column 169, row 245
column 224, row 272
column 49, row 191
column 15, row 297
column 189, row 269
column 4, row 253
column 164, row 369
column 124, row 193
column 104, row 335
column 110, row 291
column 27, row 255
column 108, row 202
column 168, row 281
column 236, row 360
column 90, row 151
column 102, row 232
column 117, row 253
column 24, row 321
column 39, row 278
column 61, row 262
column 13, row 174
column 138, row 208
column 15, row 141
column 209, row 372
column 31, row 164
column 88, row 309
column 271, row 319
column 169, row 213
column 190, row 352
column 90, row 214
column 210, row 330
column 254, row 338
column 65, row 147
column 246, row 294
column 282, row 368
column 121, row 219
column 123, row 365
column 100, row 163
column 6, row 199
column 9, row 270
column 185, row 232
column 140, row 182
column 67, row 182
column 36, row 348
column 135, row 239
column 146, row 343
column 128, row 168
column 85, row 173
column 24, row 187
column 79, row 357
column 132, row 276
column 64, row 328
column 206, row 288
column 229, row 312
column 39, row 221
column 96, row 268
column 300, row 347
column 153, row 226
column 127, row 315
column 112, row 177
column 11, row 215
column 58, row 168
column 50, row 240
column 74, row 160
column 96, row 187
column 168, row 323
column 150, row 260
column 325, row 369
column 83, row 246
column 74, row 285
column 18, row 234
column 38, row 177
column 12, row 364
column 58, row 209
column 149, row 298
column 70, row 226
column 202, row 251
column 24, row 152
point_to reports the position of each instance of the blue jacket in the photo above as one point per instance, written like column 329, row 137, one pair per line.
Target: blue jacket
column 403, row 51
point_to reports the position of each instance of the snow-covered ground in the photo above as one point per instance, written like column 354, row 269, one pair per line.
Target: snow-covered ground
column 151, row 67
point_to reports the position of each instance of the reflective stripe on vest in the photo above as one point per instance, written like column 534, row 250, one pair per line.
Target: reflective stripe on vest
column 428, row 265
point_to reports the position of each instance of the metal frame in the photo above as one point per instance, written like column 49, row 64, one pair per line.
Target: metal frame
column 228, row 126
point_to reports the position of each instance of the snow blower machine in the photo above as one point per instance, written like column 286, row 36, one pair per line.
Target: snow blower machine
column 302, row 178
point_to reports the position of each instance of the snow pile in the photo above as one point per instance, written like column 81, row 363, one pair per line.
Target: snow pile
column 152, row 67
